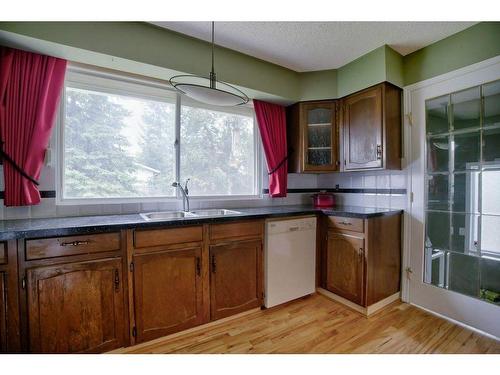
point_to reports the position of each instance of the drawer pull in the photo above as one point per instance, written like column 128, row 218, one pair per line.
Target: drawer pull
column 345, row 223
column 75, row 243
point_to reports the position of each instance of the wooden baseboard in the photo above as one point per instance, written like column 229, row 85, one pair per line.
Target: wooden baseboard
column 367, row 311
column 185, row 332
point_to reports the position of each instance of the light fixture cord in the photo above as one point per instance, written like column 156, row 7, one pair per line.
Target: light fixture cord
column 212, row 73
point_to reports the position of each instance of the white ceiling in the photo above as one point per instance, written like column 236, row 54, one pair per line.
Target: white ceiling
column 309, row 46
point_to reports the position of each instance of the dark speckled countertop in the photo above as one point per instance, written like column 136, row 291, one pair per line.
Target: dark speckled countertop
column 30, row 228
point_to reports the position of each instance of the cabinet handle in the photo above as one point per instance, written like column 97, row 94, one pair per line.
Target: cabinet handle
column 117, row 281
column 379, row 152
column 345, row 223
column 214, row 264
column 198, row 266
column 75, row 243
column 361, row 254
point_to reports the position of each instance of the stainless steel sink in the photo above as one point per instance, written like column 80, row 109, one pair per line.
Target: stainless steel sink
column 178, row 215
column 167, row 215
column 215, row 212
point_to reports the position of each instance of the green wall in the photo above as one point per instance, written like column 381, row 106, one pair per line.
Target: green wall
column 363, row 72
column 394, row 71
column 145, row 49
column 321, row 84
column 126, row 42
column 477, row 43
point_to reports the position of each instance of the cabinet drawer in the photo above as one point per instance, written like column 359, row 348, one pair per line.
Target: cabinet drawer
column 237, row 229
column 346, row 223
column 3, row 253
column 171, row 236
column 72, row 245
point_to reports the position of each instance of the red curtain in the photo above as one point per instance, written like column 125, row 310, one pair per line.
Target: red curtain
column 272, row 125
column 30, row 88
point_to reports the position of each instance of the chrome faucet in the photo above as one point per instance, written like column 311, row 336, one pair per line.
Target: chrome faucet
column 185, row 193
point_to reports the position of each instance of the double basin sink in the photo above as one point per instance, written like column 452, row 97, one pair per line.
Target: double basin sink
column 173, row 215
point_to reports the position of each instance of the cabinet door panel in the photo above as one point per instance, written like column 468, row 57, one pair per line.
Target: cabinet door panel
column 235, row 278
column 3, row 314
column 363, row 127
column 345, row 266
column 319, row 134
column 168, row 292
column 76, row 307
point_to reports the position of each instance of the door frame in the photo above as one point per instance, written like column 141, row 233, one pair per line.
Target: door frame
column 473, row 313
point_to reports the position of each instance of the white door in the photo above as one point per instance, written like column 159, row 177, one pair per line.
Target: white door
column 428, row 286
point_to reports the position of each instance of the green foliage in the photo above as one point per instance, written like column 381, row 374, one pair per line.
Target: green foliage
column 157, row 147
column 217, row 152
column 217, row 149
column 95, row 161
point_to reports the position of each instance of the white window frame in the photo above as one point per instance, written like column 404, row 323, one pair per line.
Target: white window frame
column 125, row 85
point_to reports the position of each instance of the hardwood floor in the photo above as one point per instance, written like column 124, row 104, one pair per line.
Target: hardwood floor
column 316, row 324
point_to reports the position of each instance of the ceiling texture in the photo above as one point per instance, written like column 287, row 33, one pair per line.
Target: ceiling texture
column 311, row 46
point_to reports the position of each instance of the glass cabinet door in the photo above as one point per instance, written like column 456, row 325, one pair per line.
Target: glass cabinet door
column 319, row 134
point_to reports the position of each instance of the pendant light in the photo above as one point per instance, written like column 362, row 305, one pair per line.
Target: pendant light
column 209, row 90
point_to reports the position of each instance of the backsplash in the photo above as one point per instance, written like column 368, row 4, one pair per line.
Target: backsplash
column 385, row 189
column 301, row 186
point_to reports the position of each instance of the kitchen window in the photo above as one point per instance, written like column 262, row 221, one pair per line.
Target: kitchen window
column 123, row 139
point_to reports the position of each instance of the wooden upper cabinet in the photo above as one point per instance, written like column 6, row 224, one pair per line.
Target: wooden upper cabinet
column 313, row 137
column 76, row 307
column 235, row 277
column 168, row 292
column 345, row 266
column 371, row 129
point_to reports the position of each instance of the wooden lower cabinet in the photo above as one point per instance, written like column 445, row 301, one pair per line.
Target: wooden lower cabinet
column 363, row 264
column 235, row 277
column 76, row 307
column 10, row 336
column 99, row 292
column 345, row 264
column 3, row 313
column 167, row 292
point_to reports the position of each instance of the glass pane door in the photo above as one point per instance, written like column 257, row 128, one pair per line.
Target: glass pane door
column 462, row 205
column 319, row 136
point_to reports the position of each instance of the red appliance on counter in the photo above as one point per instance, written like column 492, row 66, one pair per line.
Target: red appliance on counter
column 323, row 200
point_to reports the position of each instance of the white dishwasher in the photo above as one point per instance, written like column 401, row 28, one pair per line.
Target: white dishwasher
column 290, row 259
